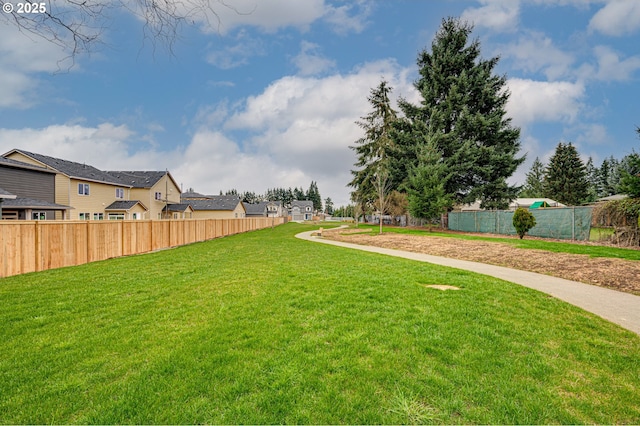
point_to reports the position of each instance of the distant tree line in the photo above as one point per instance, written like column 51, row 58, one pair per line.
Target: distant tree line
column 567, row 179
column 286, row 196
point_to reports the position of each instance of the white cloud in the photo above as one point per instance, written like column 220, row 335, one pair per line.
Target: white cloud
column 309, row 62
column 22, row 58
column 535, row 52
column 236, row 55
column 497, row 15
column 617, row 18
column 268, row 15
column 344, row 20
column 532, row 101
column 611, row 67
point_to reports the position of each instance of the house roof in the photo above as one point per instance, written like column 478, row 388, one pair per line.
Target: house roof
column 141, row 178
column 22, row 165
column 215, row 202
column 30, row 203
column 255, row 209
column 177, row 207
column 302, row 203
column 72, row 169
column 615, row 197
column 193, row 194
column 124, row 205
column 6, row 194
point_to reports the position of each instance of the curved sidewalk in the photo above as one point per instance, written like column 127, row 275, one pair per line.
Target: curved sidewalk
column 620, row 308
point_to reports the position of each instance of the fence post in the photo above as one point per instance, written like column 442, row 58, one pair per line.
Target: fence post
column 573, row 223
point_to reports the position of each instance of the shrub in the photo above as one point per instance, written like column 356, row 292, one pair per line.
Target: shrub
column 523, row 221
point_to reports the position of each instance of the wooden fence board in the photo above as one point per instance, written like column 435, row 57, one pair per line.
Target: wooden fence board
column 28, row 246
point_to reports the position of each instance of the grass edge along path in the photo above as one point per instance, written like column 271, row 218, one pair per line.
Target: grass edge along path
column 555, row 246
column 264, row 328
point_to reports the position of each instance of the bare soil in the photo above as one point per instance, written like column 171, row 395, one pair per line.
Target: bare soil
column 617, row 274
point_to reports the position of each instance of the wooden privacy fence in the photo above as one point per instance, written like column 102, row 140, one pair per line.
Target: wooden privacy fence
column 29, row 246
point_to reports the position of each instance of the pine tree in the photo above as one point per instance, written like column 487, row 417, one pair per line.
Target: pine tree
column 534, row 183
column 314, row 195
column 328, row 206
column 426, row 185
column 592, row 173
column 566, row 177
column 374, row 148
column 465, row 104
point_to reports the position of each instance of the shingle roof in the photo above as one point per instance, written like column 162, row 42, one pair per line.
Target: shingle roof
column 124, row 205
column 255, row 209
column 6, row 194
column 25, row 203
column 19, row 164
column 192, row 194
column 138, row 179
column 301, row 203
column 176, row 207
column 215, row 202
column 72, row 169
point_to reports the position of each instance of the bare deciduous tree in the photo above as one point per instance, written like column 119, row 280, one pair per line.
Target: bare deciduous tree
column 79, row 25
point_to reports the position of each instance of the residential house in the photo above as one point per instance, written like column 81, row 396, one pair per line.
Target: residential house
column 28, row 192
column 214, row 206
column 88, row 190
column 301, row 210
column 264, row 209
column 154, row 189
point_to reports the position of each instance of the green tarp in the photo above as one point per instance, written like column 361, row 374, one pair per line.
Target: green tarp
column 572, row 223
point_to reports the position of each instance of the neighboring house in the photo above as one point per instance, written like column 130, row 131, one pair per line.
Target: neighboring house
column 88, row 190
column 154, row 189
column 519, row 202
column 129, row 210
column 215, row 206
column 28, row 192
column 264, row 209
column 178, row 211
column 301, row 210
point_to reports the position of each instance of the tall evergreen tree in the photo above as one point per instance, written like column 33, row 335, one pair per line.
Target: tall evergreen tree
column 313, row 194
column 534, row 183
column 374, row 148
column 608, row 177
column 328, row 206
column 464, row 102
column 566, row 177
column 592, row 174
column 425, row 187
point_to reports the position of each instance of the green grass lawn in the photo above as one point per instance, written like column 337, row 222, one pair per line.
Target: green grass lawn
column 526, row 243
column 264, row 328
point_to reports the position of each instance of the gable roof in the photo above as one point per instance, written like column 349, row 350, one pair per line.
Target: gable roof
column 6, row 194
column 72, row 169
column 8, row 162
column 177, row 207
column 215, row 202
column 124, row 205
column 302, row 203
column 193, row 194
column 256, row 209
column 141, row 178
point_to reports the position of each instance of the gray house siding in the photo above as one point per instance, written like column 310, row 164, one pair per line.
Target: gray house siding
column 28, row 183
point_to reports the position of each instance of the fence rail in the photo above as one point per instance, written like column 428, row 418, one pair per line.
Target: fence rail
column 30, row 246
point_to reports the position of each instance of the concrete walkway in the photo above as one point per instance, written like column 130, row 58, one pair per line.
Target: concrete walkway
column 620, row 308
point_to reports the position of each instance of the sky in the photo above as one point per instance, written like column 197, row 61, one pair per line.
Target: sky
column 267, row 93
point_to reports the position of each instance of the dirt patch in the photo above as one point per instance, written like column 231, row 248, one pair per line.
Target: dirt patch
column 442, row 287
column 618, row 274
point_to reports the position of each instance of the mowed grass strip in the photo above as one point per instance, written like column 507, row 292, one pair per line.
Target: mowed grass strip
column 263, row 328
column 592, row 250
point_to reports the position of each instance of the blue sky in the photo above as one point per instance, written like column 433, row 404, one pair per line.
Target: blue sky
column 269, row 98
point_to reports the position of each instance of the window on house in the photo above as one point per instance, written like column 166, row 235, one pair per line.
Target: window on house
column 120, row 193
column 158, row 195
column 84, row 216
column 98, row 216
column 116, row 216
column 83, row 189
column 38, row 215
